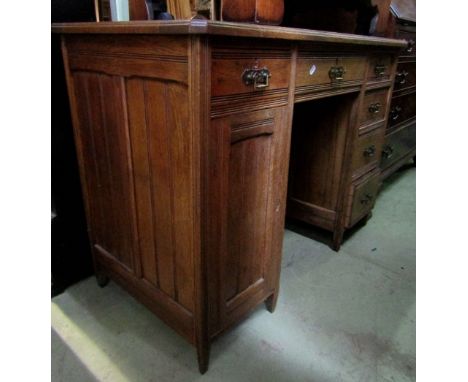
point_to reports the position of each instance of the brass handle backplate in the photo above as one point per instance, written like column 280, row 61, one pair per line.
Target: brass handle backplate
column 258, row 77
column 369, row 152
column 379, row 70
column 336, row 73
column 374, row 108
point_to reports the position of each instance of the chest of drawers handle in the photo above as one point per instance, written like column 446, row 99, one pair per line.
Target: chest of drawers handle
column 369, row 152
column 367, row 199
column 387, row 152
column 374, row 108
column 379, row 70
column 400, row 77
column 411, row 44
column 259, row 78
column 336, row 73
column 395, row 112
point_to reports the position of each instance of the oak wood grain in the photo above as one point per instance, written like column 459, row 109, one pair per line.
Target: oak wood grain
column 184, row 167
column 218, row 28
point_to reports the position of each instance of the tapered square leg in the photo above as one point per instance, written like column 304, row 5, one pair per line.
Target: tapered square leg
column 101, row 279
column 337, row 239
column 203, row 353
column 271, row 301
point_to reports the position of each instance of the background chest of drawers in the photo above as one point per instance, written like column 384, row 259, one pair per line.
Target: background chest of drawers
column 400, row 138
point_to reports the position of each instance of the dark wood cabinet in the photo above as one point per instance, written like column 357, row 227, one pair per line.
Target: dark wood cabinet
column 400, row 140
column 183, row 133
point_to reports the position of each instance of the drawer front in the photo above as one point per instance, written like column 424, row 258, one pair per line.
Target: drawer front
column 334, row 71
column 380, row 68
column 249, row 75
column 405, row 76
column 362, row 198
column 402, row 109
column 410, row 50
column 367, row 151
column 355, row 68
column 397, row 145
column 374, row 107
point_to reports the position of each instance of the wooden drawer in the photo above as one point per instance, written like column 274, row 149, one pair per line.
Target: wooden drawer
column 374, row 107
column 380, row 68
column 229, row 76
column 402, row 108
column 405, row 76
column 411, row 38
column 367, row 151
column 329, row 71
column 362, row 198
column 397, row 144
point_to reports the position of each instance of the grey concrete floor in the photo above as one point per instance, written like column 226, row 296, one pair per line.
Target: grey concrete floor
column 340, row 317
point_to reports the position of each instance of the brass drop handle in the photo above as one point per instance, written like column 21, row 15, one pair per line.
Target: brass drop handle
column 400, row 77
column 374, row 108
column 259, row 78
column 395, row 112
column 369, row 152
column 367, row 199
column 379, row 70
column 410, row 47
column 387, row 152
column 336, row 73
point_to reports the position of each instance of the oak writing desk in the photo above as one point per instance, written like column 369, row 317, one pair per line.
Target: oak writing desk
column 183, row 131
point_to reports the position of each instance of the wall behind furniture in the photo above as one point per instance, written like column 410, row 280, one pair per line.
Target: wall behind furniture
column 71, row 256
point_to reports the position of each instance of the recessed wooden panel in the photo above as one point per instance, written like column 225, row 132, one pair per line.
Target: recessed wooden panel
column 138, row 160
column 101, row 108
column 249, row 172
column 245, row 159
column 162, row 153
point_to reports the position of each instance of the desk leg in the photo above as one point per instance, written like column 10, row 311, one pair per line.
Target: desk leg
column 101, row 279
column 203, row 353
column 337, row 239
column 271, row 301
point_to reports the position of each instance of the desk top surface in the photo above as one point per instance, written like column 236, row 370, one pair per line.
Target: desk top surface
column 220, row 28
